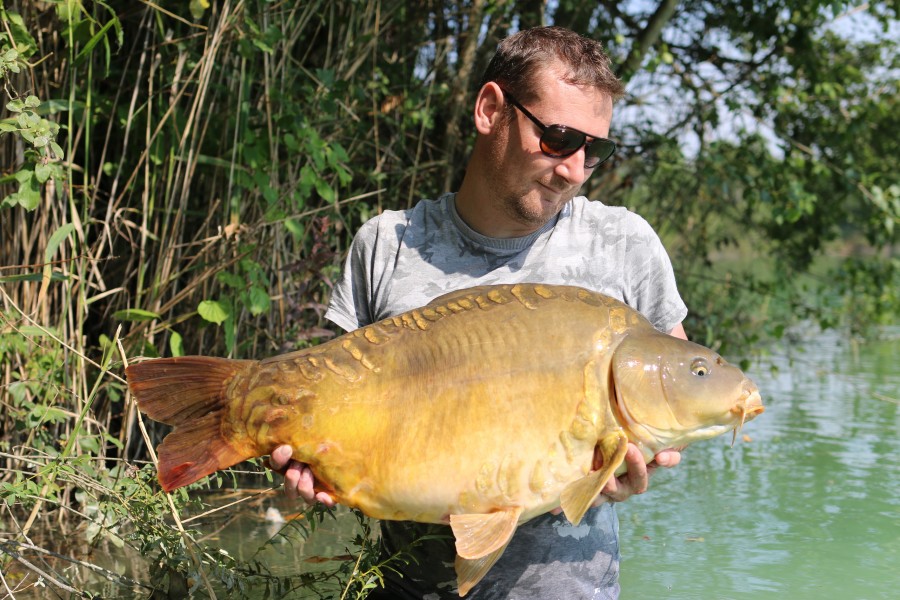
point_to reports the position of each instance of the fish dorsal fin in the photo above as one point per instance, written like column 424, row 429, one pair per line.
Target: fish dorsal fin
column 470, row 571
column 578, row 496
column 478, row 535
column 456, row 295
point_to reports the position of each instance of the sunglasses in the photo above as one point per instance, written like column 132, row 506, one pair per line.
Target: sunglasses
column 560, row 141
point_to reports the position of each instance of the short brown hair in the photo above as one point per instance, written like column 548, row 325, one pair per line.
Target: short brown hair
column 524, row 54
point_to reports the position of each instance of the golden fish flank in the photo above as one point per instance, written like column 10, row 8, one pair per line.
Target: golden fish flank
column 483, row 409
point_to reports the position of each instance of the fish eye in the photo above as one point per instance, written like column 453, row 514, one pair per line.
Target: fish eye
column 699, row 367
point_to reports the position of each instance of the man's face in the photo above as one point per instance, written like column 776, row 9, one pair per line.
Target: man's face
column 532, row 187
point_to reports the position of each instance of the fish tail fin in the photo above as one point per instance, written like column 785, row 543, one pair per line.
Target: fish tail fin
column 191, row 394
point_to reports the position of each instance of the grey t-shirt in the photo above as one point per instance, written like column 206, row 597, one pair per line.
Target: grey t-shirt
column 401, row 260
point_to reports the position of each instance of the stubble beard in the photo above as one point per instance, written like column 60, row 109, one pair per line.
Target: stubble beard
column 528, row 207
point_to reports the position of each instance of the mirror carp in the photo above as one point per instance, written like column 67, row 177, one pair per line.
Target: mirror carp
column 481, row 410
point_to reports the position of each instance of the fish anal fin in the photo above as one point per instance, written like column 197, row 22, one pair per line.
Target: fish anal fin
column 478, row 535
column 578, row 496
column 469, row 571
column 194, row 450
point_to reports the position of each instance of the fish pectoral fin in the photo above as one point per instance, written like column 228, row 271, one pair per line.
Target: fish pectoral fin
column 578, row 496
column 469, row 571
column 478, row 535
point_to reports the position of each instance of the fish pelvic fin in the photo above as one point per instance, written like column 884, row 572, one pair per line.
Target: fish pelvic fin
column 469, row 571
column 578, row 496
column 478, row 535
column 190, row 393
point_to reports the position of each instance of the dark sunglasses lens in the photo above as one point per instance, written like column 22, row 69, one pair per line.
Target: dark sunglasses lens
column 558, row 141
column 598, row 152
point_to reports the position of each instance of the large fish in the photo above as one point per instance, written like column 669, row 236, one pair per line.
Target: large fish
column 484, row 409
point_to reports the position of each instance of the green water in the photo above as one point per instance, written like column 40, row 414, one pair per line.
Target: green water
column 808, row 508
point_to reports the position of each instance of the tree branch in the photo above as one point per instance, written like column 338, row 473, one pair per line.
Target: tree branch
column 647, row 38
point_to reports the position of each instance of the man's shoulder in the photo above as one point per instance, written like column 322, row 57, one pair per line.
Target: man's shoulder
column 405, row 216
column 594, row 212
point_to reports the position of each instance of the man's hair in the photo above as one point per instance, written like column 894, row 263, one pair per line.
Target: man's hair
column 523, row 55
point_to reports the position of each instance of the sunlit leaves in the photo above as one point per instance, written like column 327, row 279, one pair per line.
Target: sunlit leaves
column 214, row 311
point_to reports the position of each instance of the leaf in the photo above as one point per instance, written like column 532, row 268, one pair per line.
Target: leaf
column 135, row 314
column 198, row 7
column 325, row 190
column 230, row 334
column 294, row 227
column 259, row 301
column 231, row 280
column 34, row 331
column 214, row 311
column 55, row 276
column 96, row 39
column 43, row 171
column 49, row 252
column 24, row 42
column 176, row 344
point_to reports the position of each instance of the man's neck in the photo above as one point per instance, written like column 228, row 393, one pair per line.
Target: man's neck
column 486, row 216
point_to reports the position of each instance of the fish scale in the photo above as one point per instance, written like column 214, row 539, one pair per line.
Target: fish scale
column 484, row 409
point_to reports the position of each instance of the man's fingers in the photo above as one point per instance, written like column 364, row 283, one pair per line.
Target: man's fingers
column 325, row 499
column 305, row 484
column 280, row 458
column 668, row 458
column 291, row 480
column 634, row 481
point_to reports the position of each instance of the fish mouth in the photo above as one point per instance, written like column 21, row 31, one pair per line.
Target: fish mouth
column 748, row 407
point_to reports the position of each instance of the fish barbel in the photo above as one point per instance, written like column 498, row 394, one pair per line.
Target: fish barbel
column 484, row 409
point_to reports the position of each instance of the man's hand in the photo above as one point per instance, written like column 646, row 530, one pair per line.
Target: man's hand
column 298, row 478
column 637, row 478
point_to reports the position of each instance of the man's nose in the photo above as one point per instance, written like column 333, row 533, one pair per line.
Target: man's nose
column 571, row 168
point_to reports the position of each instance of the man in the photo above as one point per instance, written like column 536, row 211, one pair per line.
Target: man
column 516, row 218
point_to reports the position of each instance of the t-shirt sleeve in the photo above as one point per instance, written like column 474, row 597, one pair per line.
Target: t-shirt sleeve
column 651, row 286
column 350, row 305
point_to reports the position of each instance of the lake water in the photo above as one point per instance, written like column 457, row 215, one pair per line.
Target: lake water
column 809, row 507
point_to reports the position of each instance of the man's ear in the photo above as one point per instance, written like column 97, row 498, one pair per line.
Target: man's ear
column 489, row 105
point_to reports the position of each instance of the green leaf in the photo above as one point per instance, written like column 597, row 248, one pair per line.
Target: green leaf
column 259, row 301
column 294, row 227
column 55, row 276
column 53, row 245
column 96, row 39
column 42, row 172
column 214, row 311
column 25, row 44
column 176, row 344
column 33, row 331
column 325, row 190
column 135, row 314
column 230, row 334
column 231, row 280
column 197, row 8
